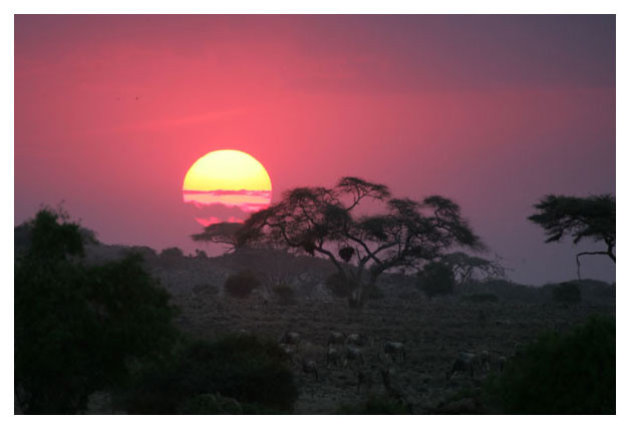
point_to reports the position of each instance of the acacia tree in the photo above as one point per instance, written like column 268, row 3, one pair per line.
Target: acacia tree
column 467, row 267
column 592, row 217
column 220, row 233
column 324, row 221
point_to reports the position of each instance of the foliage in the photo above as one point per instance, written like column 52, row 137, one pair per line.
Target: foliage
column 172, row 253
column 77, row 328
column 200, row 254
column 567, row 293
column 436, row 278
column 220, row 233
column 376, row 404
column 284, row 292
column 324, row 221
column 204, row 375
column 592, row 217
column 241, row 285
column 560, row 374
column 481, row 297
column 467, row 268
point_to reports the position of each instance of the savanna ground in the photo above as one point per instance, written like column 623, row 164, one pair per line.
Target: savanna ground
column 434, row 331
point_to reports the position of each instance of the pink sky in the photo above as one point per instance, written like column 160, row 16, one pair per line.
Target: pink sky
column 492, row 111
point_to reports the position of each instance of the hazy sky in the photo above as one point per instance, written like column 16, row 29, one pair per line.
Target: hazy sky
column 491, row 111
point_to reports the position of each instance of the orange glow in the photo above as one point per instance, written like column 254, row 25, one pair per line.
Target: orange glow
column 226, row 179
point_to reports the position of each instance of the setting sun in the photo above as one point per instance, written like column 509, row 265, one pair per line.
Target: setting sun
column 226, row 185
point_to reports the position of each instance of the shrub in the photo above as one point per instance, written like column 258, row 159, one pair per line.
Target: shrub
column 560, row 374
column 200, row 254
column 480, row 297
column 284, row 292
column 172, row 253
column 241, row 285
column 78, row 327
column 435, row 279
column 374, row 404
column 238, row 373
column 566, row 293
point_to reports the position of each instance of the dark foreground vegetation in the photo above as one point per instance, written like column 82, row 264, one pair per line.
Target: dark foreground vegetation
column 106, row 329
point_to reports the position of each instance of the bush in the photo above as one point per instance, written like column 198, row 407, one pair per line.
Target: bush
column 172, row 253
column 435, row 279
column 78, row 327
column 480, row 297
column 560, row 374
column 566, row 293
column 236, row 373
column 241, row 285
column 376, row 405
column 284, row 292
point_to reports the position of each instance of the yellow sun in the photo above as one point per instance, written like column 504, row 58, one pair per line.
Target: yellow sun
column 226, row 179
column 228, row 170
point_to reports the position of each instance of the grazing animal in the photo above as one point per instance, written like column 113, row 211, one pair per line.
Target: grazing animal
column 465, row 363
column 357, row 340
column 333, row 356
column 336, row 338
column 290, row 337
column 290, row 351
column 395, row 350
column 310, row 367
column 354, row 354
column 501, row 363
column 484, row 360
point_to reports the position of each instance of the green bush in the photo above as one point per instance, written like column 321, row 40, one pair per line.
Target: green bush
column 77, row 327
column 480, row 297
column 241, row 285
column 436, row 278
column 376, row 404
column 566, row 293
column 203, row 377
column 560, row 374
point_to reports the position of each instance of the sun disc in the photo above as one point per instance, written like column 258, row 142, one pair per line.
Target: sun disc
column 226, row 186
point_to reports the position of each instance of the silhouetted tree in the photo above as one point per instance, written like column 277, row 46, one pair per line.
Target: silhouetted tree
column 592, row 217
column 467, row 267
column 220, row 233
column 78, row 327
column 323, row 221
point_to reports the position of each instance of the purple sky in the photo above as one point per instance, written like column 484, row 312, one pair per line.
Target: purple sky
column 491, row 111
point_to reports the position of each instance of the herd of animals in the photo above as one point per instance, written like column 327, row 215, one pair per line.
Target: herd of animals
column 373, row 363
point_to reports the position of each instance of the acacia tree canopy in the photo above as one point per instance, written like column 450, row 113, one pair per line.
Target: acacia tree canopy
column 324, row 221
column 220, row 233
column 591, row 217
